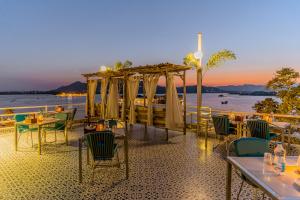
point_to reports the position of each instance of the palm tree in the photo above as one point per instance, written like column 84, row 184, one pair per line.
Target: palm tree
column 214, row 60
column 119, row 65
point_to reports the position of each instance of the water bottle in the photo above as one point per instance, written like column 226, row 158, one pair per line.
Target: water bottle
column 279, row 159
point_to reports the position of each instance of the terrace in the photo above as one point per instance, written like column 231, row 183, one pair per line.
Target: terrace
column 184, row 167
column 178, row 169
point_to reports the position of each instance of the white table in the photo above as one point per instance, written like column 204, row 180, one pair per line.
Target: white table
column 277, row 187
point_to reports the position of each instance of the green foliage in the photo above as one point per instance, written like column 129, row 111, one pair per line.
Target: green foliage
column 127, row 64
column 287, row 89
column 119, row 65
column 269, row 105
column 219, row 57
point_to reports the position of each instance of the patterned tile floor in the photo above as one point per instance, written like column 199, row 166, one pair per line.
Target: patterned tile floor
column 178, row 169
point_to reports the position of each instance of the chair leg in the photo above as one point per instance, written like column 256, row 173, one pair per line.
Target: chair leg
column 240, row 190
column 119, row 165
column 93, row 171
column 31, row 139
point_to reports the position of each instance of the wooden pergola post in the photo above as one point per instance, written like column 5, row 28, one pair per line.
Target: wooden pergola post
column 144, row 96
column 126, row 125
column 184, row 103
column 87, row 99
column 166, row 92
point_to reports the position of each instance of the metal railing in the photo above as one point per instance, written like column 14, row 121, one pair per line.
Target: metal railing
column 206, row 112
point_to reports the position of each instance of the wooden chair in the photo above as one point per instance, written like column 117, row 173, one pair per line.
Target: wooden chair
column 60, row 126
column 102, row 146
column 222, row 128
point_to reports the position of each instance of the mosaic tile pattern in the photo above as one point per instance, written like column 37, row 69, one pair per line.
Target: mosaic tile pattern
column 177, row 169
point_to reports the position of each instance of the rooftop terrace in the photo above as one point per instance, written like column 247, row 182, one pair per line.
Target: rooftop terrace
column 178, row 169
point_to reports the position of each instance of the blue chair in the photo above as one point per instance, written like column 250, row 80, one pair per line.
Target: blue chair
column 260, row 129
column 249, row 147
column 102, row 147
column 60, row 126
column 21, row 129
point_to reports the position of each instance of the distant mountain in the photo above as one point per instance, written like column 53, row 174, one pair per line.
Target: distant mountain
column 244, row 88
column 73, row 87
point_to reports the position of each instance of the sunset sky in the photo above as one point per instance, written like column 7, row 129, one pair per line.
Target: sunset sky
column 46, row 44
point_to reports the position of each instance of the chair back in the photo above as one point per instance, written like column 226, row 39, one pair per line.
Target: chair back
column 259, row 129
column 221, row 125
column 20, row 117
column 101, row 144
column 61, row 124
column 73, row 114
column 112, row 123
column 251, row 147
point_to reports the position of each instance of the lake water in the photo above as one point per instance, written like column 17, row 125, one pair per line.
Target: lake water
column 235, row 102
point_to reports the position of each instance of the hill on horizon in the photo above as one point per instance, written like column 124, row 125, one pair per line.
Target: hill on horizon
column 78, row 86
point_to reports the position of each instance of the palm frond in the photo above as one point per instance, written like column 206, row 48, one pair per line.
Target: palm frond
column 190, row 60
column 219, row 57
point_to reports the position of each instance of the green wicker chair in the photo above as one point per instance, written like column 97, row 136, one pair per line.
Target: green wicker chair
column 248, row 147
column 260, row 129
column 60, row 126
column 223, row 128
column 22, row 129
column 102, row 146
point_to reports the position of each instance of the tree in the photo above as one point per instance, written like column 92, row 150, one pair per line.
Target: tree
column 287, row 90
column 269, row 105
column 214, row 60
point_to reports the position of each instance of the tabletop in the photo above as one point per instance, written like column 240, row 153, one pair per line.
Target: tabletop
column 282, row 125
column 44, row 122
column 282, row 187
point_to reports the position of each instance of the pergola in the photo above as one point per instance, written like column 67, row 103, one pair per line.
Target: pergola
column 163, row 69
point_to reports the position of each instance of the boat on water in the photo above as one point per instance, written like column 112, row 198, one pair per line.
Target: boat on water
column 224, row 102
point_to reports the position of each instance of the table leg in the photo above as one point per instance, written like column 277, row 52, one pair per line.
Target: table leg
column 39, row 141
column 80, row 160
column 16, row 137
column 228, row 181
column 66, row 134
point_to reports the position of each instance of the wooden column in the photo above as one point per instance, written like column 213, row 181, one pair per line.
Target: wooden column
column 87, row 99
column 144, row 96
column 126, row 127
column 166, row 129
column 184, row 104
column 144, row 92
